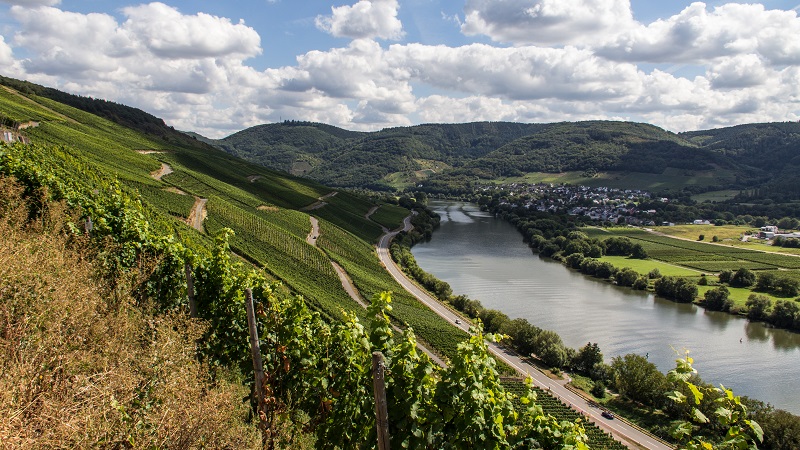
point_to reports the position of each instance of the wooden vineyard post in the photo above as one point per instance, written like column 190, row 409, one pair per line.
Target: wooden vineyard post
column 381, row 410
column 190, row 291
column 255, row 352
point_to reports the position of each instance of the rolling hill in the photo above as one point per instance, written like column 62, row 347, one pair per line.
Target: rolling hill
column 763, row 158
column 338, row 157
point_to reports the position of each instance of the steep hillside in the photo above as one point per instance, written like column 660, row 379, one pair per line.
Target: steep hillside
column 345, row 158
column 594, row 146
column 769, row 153
column 171, row 175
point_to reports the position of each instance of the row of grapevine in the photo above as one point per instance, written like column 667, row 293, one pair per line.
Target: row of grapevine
column 362, row 264
column 596, row 437
column 206, row 186
column 178, row 205
column 14, row 108
column 283, row 193
column 719, row 266
column 390, row 216
column 295, row 222
column 305, row 269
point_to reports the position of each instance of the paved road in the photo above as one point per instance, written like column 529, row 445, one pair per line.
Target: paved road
column 625, row 433
column 314, row 234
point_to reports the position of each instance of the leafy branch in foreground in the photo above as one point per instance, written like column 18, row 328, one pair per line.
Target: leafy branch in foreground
column 324, row 371
column 730, row 413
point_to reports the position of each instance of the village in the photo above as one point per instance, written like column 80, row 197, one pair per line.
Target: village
column 602, row 204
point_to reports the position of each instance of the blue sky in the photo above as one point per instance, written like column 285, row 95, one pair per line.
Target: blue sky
column 217, row 67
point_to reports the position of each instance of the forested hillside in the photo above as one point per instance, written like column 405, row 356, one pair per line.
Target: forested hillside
column 594, row 146
column 770, row 152
column 344, row 158
column 759, row 158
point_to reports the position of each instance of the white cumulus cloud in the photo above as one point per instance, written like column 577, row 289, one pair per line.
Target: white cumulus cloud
column 167, row 33
column 518, row 73
column 546, row 21
column 367, row 19
column 699, row 35
column 192, row 69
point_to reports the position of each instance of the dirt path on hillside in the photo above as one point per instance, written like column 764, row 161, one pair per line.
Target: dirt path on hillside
column 371, row 212
column 352, row 291
column 163, row 171
column 253, row 178
column 319, row 203
column 198, row 214
column 174, row 190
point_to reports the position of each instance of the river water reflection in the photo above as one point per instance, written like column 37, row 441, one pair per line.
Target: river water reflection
column 485, row 258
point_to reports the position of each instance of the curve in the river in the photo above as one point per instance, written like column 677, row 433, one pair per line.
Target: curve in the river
column 485, row 258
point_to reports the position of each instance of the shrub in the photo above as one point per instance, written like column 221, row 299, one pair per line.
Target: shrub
column 653, row 274
column 640, row 284
column 766, row 281
column 786, row 287
column 717, row 299
column 599, row 389
column 626, row 277
column 743, row 278
column 678, row 289
column 605, row 270
column 574, row 260
column 786, row 314
column 725, row 276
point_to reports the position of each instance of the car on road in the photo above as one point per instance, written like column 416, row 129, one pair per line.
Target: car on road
column 607, row 415
column 458, row 322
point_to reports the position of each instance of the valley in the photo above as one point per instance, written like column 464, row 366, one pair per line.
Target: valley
column 183, row 209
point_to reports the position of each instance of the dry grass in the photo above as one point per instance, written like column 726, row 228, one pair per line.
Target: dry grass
column 78, row 371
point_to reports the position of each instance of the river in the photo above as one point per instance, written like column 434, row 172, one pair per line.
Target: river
column 485, row 258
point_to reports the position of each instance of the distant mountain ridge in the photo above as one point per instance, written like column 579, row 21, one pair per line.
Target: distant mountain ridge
column 758, row 155
column 353, row 159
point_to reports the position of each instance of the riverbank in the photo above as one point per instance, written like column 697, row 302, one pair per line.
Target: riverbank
column 481, row 256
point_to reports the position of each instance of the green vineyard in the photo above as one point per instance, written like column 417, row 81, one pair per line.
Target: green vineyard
column 702, row 256
column 303, row 268
column 361, row 263
column 598, row 439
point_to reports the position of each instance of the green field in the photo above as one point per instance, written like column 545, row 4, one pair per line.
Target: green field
column 644, row 266
column 684, row 258
column 738, row 295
